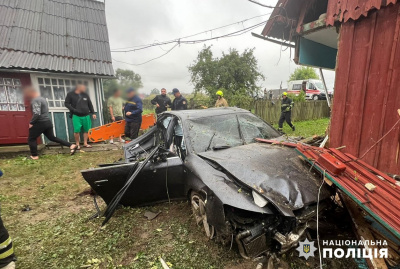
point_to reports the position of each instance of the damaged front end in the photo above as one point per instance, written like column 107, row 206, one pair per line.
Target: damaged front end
column 256, row 234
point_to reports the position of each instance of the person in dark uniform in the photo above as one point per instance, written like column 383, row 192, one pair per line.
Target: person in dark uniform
column 286, row 112
column 162, row 102
column 180, row 102
column 7, row 256
column 133, row 112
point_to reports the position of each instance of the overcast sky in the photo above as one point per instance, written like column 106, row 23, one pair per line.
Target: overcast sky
column 137, row 22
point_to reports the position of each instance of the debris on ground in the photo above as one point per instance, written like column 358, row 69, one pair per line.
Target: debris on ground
column 26, row 208
column 151, row 215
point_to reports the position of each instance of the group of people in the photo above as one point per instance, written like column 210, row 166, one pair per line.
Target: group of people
column 82, row 112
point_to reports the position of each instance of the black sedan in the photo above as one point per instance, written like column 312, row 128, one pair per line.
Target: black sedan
column 262, row 196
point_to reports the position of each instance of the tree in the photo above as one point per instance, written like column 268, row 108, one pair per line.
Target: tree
column 237, row 75
column 124, row 79
column 302, row 73
column 127, row 78
column 155, row 91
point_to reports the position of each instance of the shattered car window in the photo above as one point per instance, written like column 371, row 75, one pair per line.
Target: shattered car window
column 252, row 128
column 206, row 133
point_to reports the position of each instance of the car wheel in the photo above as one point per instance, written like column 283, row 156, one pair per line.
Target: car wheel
column 315, row 98
column 200, row 214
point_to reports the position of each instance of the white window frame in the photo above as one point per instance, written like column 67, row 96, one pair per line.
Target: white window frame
column 8, row 103
column 90, row 90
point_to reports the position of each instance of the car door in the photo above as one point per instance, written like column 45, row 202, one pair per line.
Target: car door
column 160, row 180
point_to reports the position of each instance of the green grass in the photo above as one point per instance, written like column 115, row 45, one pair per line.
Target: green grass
column 148, row 111
column 307, row 128
column 56, row 233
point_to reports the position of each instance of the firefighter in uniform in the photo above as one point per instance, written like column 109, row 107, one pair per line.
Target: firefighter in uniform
column 286, row 112
column 221, row 101
column 7, row 257
column 180, row 102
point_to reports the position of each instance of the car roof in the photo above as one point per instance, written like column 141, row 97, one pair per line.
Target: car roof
column 204, row 113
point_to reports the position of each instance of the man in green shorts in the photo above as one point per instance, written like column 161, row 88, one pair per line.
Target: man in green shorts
column 80, row 106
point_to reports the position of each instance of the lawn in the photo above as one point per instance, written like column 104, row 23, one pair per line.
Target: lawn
column 306, row 128
column 56, row 231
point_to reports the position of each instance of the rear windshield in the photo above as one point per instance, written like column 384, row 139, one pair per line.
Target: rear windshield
column 206, row 133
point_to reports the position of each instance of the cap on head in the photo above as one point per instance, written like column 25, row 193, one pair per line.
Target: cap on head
column 130, row 90
column 175, row 90
column 284, row 94
column 220, row 93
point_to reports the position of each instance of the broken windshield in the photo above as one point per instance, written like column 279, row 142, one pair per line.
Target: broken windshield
column 223, row 131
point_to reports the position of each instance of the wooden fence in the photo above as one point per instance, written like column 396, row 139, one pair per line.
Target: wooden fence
column 309, row 110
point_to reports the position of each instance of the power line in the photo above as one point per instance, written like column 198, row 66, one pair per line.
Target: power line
column 141, row 47
column 168, row 51
column 178, row 42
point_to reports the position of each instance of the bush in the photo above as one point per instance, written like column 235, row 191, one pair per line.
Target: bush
column 299, row 98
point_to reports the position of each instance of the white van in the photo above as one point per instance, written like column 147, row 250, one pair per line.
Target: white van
column 313, row 88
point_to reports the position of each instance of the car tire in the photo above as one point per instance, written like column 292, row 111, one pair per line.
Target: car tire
column 315, row 97
column 198, row 204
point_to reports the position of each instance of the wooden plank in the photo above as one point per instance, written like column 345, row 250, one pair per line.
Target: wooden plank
column 378, row 75
column 356, row 90
column 308, row 110
column 386, row 153
column 343, row 66
column 362, row 231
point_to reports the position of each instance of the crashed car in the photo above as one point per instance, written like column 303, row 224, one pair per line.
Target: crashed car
column 260, row 195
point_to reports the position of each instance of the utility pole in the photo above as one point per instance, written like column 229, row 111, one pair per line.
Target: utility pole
column 326, row 89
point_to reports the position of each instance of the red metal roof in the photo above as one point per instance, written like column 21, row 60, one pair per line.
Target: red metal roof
column 344, row 10
column 381, row 203
column 351, row 176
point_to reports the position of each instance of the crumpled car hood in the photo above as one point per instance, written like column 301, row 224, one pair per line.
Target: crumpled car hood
column 275, row 172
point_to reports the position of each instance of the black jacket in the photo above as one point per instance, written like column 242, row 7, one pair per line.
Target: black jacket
column 179, row 103
column 285, row 104
column 163, row 101
column 79, row 104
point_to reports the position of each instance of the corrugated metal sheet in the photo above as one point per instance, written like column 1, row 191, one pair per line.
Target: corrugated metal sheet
column 62, row 32
column 35, row 61
column 367, row 86
column 283, row 20
column 344, row 10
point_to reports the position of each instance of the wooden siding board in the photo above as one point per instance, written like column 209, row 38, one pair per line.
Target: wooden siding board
column 377, row 79
column 367, row 86
column 341, row 82
column 358, row 66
